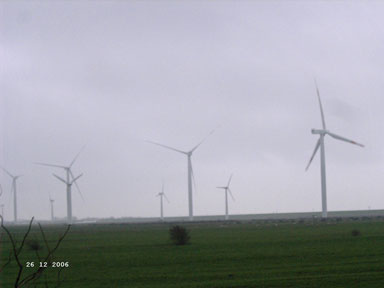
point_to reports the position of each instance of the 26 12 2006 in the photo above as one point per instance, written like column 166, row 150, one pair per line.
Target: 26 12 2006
column 55, row 264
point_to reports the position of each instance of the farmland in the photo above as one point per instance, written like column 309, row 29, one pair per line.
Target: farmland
column 221, row 254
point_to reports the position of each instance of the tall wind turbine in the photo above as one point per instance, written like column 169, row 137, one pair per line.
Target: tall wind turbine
column 14, row 190
column 52, row 215
column 190, row 169
column 320, row 143
column 161, row 195
column 70, row 179
column 226, row 190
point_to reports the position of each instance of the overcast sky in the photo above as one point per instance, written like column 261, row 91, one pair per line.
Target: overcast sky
column 112, row 74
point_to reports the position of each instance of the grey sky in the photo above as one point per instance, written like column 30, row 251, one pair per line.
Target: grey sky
column 114, row 74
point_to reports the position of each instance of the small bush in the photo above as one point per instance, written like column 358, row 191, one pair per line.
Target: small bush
column 356, row 232
column 179, row 235
column 33, row 245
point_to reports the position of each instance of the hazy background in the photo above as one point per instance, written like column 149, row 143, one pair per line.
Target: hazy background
column 114, row 74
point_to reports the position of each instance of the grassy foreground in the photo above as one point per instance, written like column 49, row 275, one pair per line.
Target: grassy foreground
column 220, row 255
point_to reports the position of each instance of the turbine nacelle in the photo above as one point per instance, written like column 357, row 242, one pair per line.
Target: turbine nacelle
column 319, row 131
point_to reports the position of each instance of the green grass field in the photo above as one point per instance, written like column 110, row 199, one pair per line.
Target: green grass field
column 220, row 255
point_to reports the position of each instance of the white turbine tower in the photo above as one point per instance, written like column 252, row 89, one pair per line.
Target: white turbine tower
column 226, row 190
column 51, row 202
column 161, row 195
column 14, row 190
column 70, row 179
column 190, row 169
column 320, row 143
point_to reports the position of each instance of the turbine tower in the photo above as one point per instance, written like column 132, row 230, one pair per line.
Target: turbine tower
column 1, row 205
column 226, row 190
column 68, row 181
column 14, row 190
column 190, row 169
column 320, row 143
column 161, row 195
column 52, row 215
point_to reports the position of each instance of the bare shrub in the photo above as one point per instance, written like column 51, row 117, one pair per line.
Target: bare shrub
column 179, row 235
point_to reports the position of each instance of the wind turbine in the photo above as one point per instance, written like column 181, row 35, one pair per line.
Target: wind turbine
column 190, row 169
column 14, row 190
column 226, row 190
column 70, row 179
column 52, row 215
column 320, row 143
column 161, row 195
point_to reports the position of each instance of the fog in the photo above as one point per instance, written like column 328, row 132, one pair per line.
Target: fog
column 111, row 75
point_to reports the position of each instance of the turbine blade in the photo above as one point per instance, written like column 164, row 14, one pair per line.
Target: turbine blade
column 221, row 187
column 50, row 165
column 230, row 193
column 74, row 159
column 321, row 106
column 6, row 171
column 166, row 198
column 74, row 181
column 201, row 142
column 193, row 178
column 58, row 177
column 164, row 146
column 314, row 153
column 230, row 178
column 344, row 139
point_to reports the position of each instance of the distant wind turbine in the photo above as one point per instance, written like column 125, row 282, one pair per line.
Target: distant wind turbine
column 320, row 143
column 226, row 190
column 161, row 195
column 14, row 190
column 70, row 179
column 190, row 169
column 2, row 205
